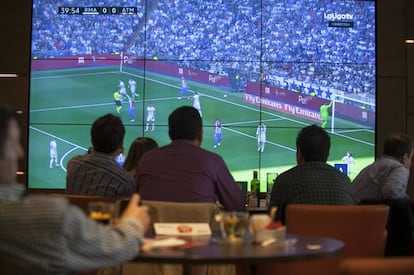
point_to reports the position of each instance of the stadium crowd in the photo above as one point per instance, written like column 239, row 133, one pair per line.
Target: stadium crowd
column 291, row 38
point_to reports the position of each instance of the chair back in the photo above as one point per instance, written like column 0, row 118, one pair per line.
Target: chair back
column 378, row 266
column 400, row 226
column 190, row 212
column 361, row 227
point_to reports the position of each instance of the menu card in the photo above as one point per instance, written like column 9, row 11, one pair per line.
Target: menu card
column 182, row 229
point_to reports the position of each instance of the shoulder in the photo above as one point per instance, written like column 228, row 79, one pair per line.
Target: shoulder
column 118, row 170
column 335, row 173
column 287, row 176
column 208, row 154
column 78, row 158
column 46, row 207
column 387, row 163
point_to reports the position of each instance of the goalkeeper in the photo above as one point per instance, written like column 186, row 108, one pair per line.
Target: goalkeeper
column 324, row 112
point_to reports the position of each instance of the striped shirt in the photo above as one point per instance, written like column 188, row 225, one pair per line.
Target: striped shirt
column 98, row 174
column 44, row 235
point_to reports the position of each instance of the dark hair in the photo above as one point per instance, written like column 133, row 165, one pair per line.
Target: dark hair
column 184, row 123
column 7, row 114
column 314, row 143
column 107, row 134
column 396, row 145
column 138, row 148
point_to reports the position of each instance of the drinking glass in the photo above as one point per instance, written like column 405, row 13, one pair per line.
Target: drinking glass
column 234, row 224
column 270, row 181
column 101, row 211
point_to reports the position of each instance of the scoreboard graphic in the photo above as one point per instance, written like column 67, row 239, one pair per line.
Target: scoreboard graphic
column 97, row 10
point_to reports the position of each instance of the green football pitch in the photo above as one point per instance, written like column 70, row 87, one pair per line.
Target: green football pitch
column 64, row 104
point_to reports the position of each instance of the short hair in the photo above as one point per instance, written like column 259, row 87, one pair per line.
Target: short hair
column 184, row 123
column 107, row 134
column 314, row 143
column 138, row 148
column 7, row 114
column 396, row 145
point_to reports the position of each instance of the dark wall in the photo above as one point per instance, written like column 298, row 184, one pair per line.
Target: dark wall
column 395, row 94
column 395, row 101
column 15, row 19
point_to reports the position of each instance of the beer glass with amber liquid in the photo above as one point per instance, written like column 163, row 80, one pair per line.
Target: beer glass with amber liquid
column 102, row 212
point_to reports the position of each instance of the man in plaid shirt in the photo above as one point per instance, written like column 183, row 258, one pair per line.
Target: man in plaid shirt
column 44, row 235
column 312, row 180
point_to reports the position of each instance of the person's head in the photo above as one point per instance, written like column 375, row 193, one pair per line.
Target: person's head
column 138, row 148
column 107, row 135
column 185, row 123
column 10, row 148
column 313, row 144
column 399, row 146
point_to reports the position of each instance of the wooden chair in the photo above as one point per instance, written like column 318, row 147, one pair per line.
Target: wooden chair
column 179, row 212
column 400, row 226
column 378, row 266
column 199, row 212
column 361, row 227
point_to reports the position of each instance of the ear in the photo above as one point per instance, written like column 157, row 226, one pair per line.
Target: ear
column 406, row 160
column 299, row 157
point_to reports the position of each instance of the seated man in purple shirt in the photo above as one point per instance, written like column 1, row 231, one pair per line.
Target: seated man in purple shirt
column 184, row 172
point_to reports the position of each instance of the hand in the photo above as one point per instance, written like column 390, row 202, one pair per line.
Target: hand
column 136, row 211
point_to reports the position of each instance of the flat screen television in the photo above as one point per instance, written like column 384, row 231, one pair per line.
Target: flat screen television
column 250, row 62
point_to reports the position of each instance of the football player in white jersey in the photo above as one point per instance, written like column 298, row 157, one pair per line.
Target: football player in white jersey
column 53, row 153
column 122, row 90
column 132, row 84
column 196, row 103
column 150, row 118
column 261, row 137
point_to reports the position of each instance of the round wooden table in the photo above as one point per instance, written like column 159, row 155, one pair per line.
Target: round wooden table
column 212, row 250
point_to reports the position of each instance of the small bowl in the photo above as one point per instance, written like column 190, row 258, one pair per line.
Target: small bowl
column 261, row 235
column 259, row 221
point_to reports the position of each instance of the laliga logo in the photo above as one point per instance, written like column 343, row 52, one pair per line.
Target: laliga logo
column 304, row 99
column 338, row 16
column 213, row 78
